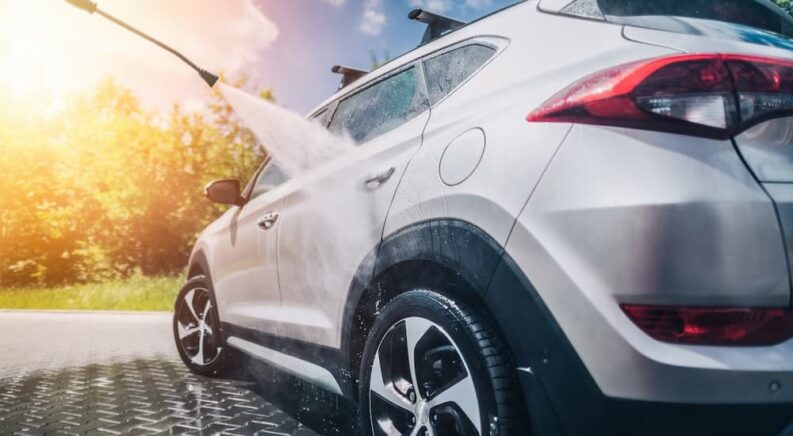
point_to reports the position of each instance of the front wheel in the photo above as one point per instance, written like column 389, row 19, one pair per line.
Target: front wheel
column 196, row 330
column 434, row 367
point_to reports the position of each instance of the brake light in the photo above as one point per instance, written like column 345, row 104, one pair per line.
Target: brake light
column 710, row 95
column 714, row 325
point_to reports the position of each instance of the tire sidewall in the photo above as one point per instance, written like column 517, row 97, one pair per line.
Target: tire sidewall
column 437, row 309
column 220, row 364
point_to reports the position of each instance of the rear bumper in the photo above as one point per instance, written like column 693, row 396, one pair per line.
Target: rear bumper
column 563, row 398
column 612, row 417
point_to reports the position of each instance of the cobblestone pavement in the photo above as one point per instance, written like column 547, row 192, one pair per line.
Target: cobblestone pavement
column 118, row 373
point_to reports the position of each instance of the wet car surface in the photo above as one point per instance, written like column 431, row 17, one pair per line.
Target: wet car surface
column 118, row 373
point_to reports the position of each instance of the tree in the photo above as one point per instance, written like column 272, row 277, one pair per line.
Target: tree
column 787, row 5
column 104, row 189
column 376, row 61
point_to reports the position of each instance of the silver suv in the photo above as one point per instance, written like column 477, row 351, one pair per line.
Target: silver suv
column 568, row 217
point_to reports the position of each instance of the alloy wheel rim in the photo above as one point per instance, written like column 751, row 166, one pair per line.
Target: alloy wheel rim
column 195, row 327
column 441, row 401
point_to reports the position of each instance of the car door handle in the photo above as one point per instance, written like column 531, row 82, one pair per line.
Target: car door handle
column 375, row 181
column 267, row 221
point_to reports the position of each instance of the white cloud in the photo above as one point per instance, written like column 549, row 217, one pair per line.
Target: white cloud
column 478, row 4
column 335, row 3
column 374, row 18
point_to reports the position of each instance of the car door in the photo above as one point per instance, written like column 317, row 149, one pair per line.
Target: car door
column 246, row 275
column 333, row 221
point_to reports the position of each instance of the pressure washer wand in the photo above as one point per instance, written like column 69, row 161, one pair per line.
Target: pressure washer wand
column 91, row 8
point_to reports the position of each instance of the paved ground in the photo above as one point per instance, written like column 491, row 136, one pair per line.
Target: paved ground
column 117, row 373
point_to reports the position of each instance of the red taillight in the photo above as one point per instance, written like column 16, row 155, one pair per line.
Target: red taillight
column 713, row 325
column 764, row 88
column 710, row 95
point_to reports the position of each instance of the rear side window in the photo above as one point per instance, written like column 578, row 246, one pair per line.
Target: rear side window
column 754, row 13
column 447, row 71
column 381, row 107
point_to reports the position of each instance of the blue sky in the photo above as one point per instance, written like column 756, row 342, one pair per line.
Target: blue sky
column 50, row 50
column 316, row 34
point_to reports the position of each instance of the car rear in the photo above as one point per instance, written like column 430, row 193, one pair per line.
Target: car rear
column 659, row 235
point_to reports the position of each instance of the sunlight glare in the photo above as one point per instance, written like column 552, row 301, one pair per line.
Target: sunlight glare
column 48, row 47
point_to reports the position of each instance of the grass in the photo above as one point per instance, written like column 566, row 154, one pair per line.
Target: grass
column 136, row 293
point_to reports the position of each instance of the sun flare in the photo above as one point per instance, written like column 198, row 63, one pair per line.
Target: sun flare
column 49, row 48
column 34, row 54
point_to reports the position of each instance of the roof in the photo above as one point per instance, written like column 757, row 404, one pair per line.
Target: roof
column 466, row 31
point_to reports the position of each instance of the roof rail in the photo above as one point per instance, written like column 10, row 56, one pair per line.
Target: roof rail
column 437, row 25
column 348, row 75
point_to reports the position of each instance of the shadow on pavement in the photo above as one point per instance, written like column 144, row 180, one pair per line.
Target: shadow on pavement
column 158, row 395
column 322, row 412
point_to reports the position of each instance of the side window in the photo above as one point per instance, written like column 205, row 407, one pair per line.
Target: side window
column 381, row 107
column 447, row 71
column 270, row 177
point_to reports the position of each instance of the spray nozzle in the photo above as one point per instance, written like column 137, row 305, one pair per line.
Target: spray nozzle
column 208, row 77
column 91, row 7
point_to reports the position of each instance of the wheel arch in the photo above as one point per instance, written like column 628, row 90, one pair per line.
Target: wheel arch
column 198, row 265
column 461, row 261
column 450, row 256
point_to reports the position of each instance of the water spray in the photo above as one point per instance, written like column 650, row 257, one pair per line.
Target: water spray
column 92, row 8
column 295, row 143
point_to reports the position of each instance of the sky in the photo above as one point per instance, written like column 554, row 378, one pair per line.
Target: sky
column 49, row 49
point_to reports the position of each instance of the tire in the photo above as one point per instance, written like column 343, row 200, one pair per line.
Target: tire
column 200, row 344
column 467, row 383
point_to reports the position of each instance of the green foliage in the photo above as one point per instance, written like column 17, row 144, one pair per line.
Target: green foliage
column 134, row 293
column 787, row 5
column 101, row 189
column 376, row 62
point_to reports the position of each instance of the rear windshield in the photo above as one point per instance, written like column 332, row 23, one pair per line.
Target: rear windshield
column 760, row 14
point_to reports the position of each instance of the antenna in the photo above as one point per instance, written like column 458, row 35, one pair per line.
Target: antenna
column 91, row 8
column 349, row 75
column 437, row 25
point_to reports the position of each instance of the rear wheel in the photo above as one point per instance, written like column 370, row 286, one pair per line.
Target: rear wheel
column 434, row 367
column 196, row 329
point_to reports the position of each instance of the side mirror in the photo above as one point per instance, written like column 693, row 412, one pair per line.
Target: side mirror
column 225, row 191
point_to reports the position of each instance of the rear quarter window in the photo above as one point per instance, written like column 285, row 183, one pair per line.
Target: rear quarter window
column 381, row 107
column 447, row 71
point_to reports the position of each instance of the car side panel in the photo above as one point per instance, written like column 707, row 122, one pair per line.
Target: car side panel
column 497, row 101
column 243, row 265
column 328, row 228
column 628, row 216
